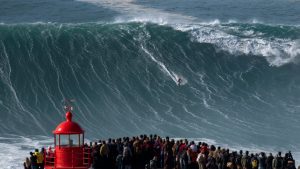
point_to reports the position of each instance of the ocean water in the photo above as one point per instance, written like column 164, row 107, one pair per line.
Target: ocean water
column 120, row 60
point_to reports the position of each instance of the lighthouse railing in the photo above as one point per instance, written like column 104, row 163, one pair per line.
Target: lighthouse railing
column 84, row 157
column 49, row 158
column 87, row 156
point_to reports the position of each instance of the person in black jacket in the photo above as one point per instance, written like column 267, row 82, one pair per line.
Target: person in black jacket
column 33, row 160
column 269, row 161
column 96, row 158
column 238, row 160
column 262, row 161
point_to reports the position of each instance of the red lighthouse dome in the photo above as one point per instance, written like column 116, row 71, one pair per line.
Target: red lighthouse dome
column 68, row 126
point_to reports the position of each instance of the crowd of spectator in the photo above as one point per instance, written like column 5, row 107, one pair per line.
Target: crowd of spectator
column 155, row 152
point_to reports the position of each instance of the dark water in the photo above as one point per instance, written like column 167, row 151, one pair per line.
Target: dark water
column 120, row 61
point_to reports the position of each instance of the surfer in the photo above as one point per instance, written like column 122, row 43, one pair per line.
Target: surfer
column 179, row 81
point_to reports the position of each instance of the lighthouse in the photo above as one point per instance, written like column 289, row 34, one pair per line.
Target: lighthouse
column 69, row 152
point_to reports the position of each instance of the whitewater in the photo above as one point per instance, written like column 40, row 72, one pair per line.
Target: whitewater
column 121, row 61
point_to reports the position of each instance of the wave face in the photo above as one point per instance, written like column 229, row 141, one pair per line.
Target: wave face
column 240, row 82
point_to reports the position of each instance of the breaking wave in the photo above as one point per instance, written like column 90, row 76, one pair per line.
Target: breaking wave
column 238, row 80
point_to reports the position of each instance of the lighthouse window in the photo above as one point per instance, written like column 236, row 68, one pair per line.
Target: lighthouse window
column 56, row 140
column 74, row 140
column 81, row 139
column 64, row 140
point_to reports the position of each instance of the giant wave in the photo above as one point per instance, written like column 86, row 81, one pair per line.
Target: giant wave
column 241, row 80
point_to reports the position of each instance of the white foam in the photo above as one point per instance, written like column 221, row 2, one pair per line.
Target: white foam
column 256, row 21
column 277, row 51
column 14, row 149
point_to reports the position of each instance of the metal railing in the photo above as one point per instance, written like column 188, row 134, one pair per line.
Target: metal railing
column 51, row 161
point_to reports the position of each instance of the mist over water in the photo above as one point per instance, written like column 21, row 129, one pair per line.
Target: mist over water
column 121, row 62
